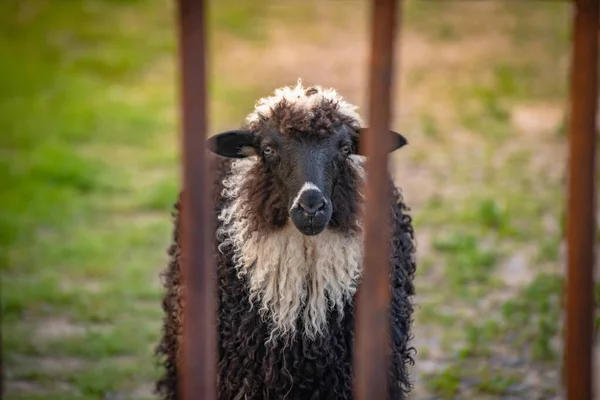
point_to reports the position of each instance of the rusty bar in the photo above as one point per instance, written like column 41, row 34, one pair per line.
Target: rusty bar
column 372, row 324
column 581, row 203
column 197, row 367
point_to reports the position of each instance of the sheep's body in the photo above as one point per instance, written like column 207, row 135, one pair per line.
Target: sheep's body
column 286, row 319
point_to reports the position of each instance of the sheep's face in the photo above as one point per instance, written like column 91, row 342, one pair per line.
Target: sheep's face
column 315, row 179
column 304, row 140
column 307, row 169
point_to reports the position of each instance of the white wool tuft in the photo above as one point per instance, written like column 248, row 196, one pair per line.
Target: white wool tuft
column 296, row 97
column 291, row 276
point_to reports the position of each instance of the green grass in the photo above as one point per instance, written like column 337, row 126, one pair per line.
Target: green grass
column 81, row 252
column 446, row 383
column 535, row 315
column 89, row 171
column 526, row 328
column 89, row 166
column 468, row 265
column 500, row 203
column 495, row 383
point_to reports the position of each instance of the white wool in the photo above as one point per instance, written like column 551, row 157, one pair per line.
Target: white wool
column 296, row 97
column 290, row 275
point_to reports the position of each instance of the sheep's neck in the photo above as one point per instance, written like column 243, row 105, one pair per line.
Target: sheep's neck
column 292, row 276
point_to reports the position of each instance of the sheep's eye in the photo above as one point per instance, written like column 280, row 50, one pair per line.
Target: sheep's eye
column 268, row 150
column 345, row 149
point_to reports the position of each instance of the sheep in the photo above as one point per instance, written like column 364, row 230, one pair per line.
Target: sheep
column 289, row 249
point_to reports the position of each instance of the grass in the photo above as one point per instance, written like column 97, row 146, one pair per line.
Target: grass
column 445, row 383
column 492, row 201
column 468, row 264
column 494, row 383
column 537, row 312
column 89, row 166
column 89, row 171
column 529, row 323
column 81, row 253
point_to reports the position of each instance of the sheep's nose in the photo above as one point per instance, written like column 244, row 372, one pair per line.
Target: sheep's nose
column 312, row 204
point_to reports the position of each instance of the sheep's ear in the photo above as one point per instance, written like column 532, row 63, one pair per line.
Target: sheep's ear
column 396, row 141
column 232, row 144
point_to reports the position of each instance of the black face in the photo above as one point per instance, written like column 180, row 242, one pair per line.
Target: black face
column 305, row 167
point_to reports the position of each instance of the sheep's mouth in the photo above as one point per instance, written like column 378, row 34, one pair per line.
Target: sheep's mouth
column 311, row 230
column 312, row 225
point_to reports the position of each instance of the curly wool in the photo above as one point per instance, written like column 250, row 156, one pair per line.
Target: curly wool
column 315, row 359
column 287, row 101
column 250, row 367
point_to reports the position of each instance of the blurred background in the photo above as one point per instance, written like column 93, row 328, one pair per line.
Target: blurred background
column 89, row 169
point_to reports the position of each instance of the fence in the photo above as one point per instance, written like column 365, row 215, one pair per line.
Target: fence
column 198, row 369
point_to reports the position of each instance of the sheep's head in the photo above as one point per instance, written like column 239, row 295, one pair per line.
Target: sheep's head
column 304, row 140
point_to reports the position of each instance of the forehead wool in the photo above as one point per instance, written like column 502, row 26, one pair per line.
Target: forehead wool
column 302, row 99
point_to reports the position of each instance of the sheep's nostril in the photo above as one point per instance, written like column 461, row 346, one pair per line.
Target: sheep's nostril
column 312, row 207
column 323, row 204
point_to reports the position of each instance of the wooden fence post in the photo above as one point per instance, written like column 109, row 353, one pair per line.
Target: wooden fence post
column 581, row 215
column 198, row 363
column 371, row 356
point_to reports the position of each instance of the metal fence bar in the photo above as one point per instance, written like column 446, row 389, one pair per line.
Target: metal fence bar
column 581, row 203
column 197, row 367
column 372, row 323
